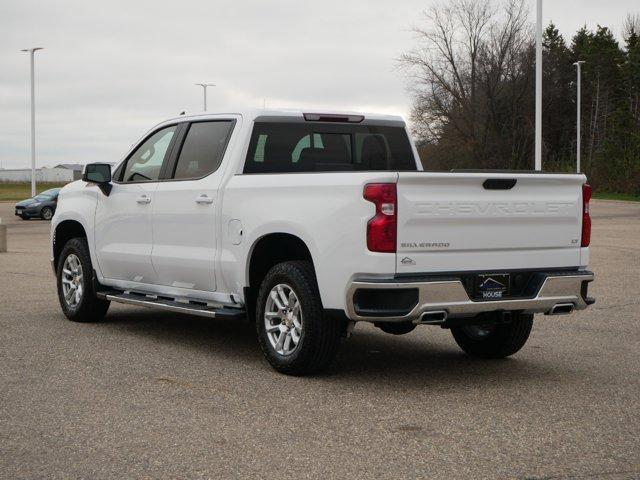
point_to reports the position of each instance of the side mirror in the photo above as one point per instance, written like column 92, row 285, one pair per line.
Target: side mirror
column 99, row 173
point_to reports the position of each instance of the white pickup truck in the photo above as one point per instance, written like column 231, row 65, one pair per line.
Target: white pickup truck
column 307, row 223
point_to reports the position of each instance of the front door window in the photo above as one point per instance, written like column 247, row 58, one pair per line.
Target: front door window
column 146, row 162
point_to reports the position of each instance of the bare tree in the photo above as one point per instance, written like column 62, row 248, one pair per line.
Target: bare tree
column 467, row 68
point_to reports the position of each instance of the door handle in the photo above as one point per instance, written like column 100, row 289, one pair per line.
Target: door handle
column 204, row 199
column 143, row 199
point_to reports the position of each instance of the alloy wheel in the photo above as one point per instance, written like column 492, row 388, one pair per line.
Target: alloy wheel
column 283, row 319
column 72, row 280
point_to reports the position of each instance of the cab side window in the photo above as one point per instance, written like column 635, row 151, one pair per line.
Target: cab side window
column 203, row 149
column 145, row 164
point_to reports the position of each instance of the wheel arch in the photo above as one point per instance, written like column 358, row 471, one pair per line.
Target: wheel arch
column 65, row 231
column 266, row 252
column 271, row 249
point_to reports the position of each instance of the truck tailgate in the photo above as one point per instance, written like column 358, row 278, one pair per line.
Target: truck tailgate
column 461, row 222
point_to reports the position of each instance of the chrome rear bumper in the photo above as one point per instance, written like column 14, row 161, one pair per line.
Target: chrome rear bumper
column 556, row 294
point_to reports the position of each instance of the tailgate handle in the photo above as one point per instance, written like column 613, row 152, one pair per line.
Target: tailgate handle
column 499, row 183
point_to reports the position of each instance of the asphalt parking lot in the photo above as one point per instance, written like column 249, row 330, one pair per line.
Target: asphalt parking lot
column 157, row 395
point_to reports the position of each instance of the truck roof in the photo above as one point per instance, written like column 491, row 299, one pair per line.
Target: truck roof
column 252, row 114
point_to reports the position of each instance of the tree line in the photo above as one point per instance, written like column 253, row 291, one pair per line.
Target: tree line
column 472, row 78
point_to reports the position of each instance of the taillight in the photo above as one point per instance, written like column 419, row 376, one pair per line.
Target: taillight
column 381, row 229
column 586, row 218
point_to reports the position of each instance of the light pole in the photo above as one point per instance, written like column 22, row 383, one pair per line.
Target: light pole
column 578, row 65
column 32, row 51
column 204, row 88
column 538, row 157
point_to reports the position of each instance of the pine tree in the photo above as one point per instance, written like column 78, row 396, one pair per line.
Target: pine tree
column 601, row 76
column 559, row 104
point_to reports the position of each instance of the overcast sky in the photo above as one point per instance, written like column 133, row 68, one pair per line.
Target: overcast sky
column 111, row 69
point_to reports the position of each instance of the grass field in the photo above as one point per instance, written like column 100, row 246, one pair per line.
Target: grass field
column 21, row 191
column 629, row 197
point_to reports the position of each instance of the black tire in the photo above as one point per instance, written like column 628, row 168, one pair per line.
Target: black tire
column 320, row 335
column 46, row 213
column 495, row 341
column 89, row 308
column 396, row 328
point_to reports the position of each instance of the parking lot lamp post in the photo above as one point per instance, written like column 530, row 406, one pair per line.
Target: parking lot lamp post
column 204, row 88
column 32, row 51
column 538, row 133
column 578, row 65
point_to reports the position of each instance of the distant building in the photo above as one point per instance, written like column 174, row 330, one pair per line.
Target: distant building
column 55, row 174
column 75, row 167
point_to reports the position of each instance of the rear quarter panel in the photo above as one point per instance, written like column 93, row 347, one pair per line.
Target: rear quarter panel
column 325, row 210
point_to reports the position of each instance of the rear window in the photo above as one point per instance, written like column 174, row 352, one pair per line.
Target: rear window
column 203, row 149
column 323, row 147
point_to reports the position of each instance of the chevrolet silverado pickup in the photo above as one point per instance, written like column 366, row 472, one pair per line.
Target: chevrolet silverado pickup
column 306, row 223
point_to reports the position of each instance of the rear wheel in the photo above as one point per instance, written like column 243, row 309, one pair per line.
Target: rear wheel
column 497, row 340
column 294, row 334
column 75, row 286
column 46, row 213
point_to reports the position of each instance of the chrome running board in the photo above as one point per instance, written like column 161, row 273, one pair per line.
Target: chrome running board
column 201, row 309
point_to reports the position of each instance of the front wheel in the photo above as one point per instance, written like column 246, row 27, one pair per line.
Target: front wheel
column 496, row 340
column 294, row 334
column 46, row 213
column 75, row 286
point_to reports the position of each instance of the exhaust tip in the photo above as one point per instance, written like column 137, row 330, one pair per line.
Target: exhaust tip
column 561, row 309
column 433, row 318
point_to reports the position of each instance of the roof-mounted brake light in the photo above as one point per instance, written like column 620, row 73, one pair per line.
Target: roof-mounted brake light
column 330, row 117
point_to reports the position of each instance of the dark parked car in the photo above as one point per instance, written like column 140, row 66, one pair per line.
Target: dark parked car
column 42, row 205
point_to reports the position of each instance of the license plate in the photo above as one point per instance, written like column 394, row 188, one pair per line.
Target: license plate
column 493, row 286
